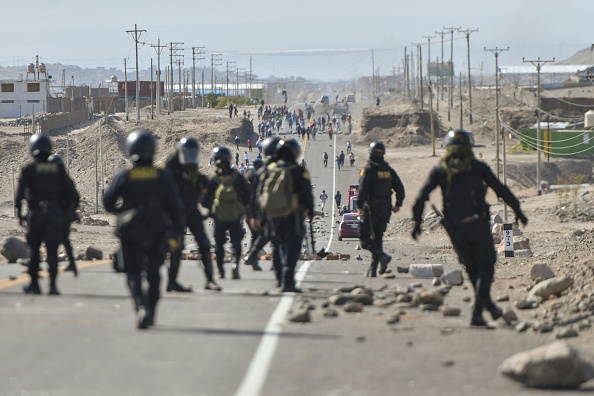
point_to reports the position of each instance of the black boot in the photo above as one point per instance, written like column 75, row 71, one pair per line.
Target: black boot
column 235, row 271
column 143, row 319
column 493, row 309
column 212, row 285
column 477, row 314
column 372, row 271
column 53, row 288
column 177, row 287
column 221, row 268
column 32, row 287
column 384, row 260
column 72, row 267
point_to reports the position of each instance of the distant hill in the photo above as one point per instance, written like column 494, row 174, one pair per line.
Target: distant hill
column 582, row 57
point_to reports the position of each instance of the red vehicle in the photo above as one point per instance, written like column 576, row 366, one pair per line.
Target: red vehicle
column 349, row 226
column 353, row 190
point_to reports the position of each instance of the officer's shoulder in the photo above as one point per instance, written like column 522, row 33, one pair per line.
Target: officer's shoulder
column 480, row 165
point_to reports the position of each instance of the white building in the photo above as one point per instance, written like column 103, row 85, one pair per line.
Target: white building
column 20, row 97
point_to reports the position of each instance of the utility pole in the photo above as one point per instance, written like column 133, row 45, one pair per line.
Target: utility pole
column 151, row 86
column 215, row 60
column 442, row 33
column 420, row 66
column 194, row 53
column 451, row 30
column 173, row 48
column 461, row 107
column 467, row 33
column 232, row 63
column 538, row 63
column 237, row 71
column 406, row 79
column 373, row 75
column 496, row 51
column 430, row 88
column 429, row 57
column 136, row 37
column 159, row 49
column 180, row 61
column 126, row 88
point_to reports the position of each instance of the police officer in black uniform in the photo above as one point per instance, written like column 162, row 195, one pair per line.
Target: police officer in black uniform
column 45, row 186
column 227, row 209
column 257, row 220
column 192, row 184
column 70, row 215
column 252, row 176
column 287, row 232
column 463, row 181
column 150, row 221
column 376, row 183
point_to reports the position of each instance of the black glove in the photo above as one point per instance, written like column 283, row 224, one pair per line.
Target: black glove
column 22, row 219
column 416, row 231
column 521, row 217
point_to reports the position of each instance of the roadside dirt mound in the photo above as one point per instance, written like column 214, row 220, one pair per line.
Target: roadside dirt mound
column 399, row 126
column 558, row 172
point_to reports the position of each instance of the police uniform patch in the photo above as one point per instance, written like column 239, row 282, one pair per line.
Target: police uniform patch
column 144, row 173
column 49, row 167
column 306, row 174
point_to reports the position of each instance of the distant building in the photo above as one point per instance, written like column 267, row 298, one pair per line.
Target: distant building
column 20, row 97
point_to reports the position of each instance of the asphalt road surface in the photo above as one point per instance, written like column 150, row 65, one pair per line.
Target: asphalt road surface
column 238, row 342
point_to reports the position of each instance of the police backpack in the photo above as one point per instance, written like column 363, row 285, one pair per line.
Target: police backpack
column 226, row 206
column 277, row 198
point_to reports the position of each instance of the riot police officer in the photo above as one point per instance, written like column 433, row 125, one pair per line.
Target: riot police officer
column 226, row 200
column 463, row 181
column 258, row 222
column 150, row 220
column 252, row 176
column 70, row 215
column 45, row 186
column 192, row 184
column 288, row 230
column 376, row 183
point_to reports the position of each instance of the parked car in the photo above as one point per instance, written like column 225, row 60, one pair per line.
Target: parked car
column 349, row 226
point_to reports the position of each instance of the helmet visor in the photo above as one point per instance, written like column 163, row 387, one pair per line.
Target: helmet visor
column 188, row 156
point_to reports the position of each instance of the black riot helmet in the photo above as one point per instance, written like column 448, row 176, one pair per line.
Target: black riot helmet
column 288, row 149
column 269, row 147
column 257, row 163
column 222, row 154
column 188, row 151
column 40, row 146
column 141, row 146
column 377, row 150
column 459, row 137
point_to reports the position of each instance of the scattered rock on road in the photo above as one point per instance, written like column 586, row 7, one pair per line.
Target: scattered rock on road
column 453, row 278
column 551, row 366
column 301, row 316
column 14, row 248
column 94, row 253
column 541, row 270
column 551, row 286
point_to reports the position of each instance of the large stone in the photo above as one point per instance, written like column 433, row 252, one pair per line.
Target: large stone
column 94, row 253
column 451, row 311
column 344, row 298
column 13, row 249
column 497, row 229
column 453, row 278
column 353, row 307
column 301, row 316
column 551, row 286
column 551, row 366
column 520, row 243
column 431, row 297
column 362, row 290
column 425, row 270
column 541, row 270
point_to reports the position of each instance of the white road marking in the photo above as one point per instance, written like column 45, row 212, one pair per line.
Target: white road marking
column 256, row 374
column 333, row 200
column 255, row 377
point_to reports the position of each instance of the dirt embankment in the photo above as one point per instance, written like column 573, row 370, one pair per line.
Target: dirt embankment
column 399, row 126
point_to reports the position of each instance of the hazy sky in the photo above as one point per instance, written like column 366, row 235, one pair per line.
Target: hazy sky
column 93, row 33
